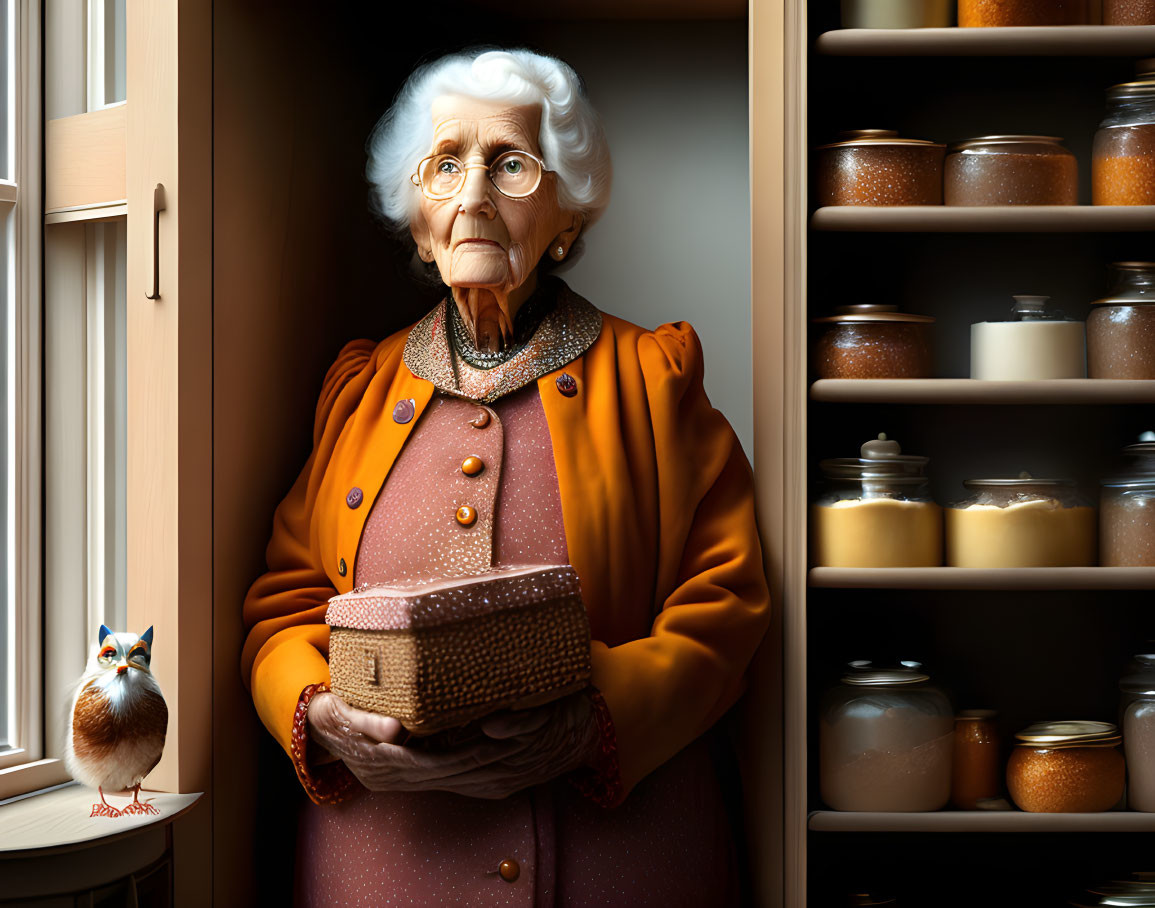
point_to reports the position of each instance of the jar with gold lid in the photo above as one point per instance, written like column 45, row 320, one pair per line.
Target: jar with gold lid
column 873, row 340
column 877, row 167
column 1020, row 522
column 987, row 13
column 876, row 510
column 1067, row 767
column 1121, row 326
column 1123, row 154
column 885, row 740
column 1011, row 170
column 1137, row 704
column 1127, row 510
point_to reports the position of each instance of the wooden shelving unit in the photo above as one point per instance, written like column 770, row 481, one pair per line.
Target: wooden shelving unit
column 948, row 391
column 1022, row 219
column 1066, row 41
column 951, row 578
column 947, row 821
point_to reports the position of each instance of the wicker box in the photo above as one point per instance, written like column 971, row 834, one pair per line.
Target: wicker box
column 439, row 654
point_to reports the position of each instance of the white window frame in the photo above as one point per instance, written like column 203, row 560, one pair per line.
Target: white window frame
column 21, row 766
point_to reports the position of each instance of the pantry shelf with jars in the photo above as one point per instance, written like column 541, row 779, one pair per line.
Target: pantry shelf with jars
column 1054, row 40
column 972, row 376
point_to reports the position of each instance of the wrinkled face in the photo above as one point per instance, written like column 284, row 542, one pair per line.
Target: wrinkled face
column 480, row 237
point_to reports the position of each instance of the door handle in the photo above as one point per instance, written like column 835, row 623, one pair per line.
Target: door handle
column 157, row 207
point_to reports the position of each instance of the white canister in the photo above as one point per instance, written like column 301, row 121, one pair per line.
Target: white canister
column 897, row 13
column 1037, row 343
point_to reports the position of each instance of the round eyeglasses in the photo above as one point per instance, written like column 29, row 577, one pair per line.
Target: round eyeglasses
column 514, row 174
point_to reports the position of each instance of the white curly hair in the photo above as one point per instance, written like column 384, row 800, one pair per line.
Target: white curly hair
column 573, row 144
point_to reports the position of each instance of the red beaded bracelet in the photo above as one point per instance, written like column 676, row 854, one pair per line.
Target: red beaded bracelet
column 329, row 784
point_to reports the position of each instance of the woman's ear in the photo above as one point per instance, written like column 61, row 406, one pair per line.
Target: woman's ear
column 419, row 230
column 563, row 242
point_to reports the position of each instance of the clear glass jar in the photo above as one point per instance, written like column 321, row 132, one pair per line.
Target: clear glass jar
column 876, row 167
column 1121, row 327
column 1127, row 510
column 885, row 741
column 869, row 340
column 1037, row 343
column 1123, row 155
column 977, row 766
column 1067, row 767
column 1011, row 170
column 1137, row 705
column 985, row 13
column 1129, row 12
column 1023, row 522
column 876, row 510
column 897, row 13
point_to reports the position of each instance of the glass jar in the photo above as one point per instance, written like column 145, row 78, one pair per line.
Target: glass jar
column 1066, row 767
column 1127, row 510
column 1137, row 893
column 1023, row 522
column 977, row 764
column 897, row 13
column 1037, row 343
column 873, row 340
column 1123, row 155
column 1011, row 170
column 876, row 510
column 885, row 741
column 1129, row 12
column 876, row 167
column 1121, row 327
column 1137, row 705
column 979, row 13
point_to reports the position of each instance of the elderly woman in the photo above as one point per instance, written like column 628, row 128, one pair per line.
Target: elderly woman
column 599, row 449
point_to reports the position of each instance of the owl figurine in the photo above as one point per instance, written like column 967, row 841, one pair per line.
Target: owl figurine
column 118, row 721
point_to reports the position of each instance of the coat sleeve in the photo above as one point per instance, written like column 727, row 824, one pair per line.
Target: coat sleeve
column 287, row 645
column 711, row 596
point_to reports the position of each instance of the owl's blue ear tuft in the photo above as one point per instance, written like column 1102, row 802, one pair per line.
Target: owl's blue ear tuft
column 104, row 632
column 147, row 636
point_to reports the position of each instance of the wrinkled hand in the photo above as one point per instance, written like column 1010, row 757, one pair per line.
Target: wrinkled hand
column 517, row 748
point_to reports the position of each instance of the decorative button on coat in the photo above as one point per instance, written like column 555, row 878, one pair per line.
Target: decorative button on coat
column 354, row 498
column 567, row 384
column 481, row 420
column 342, row 568
column 466, row 516
column 509, row 870
column 403, row 411
column 472, row 465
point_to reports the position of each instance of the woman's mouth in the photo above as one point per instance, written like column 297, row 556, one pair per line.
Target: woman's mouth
column 477, row 240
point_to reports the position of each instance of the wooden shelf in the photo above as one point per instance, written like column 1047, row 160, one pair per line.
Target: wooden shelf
column 1011, row 219
column 1041, row 41
column 949, row 578
column 971, row 391
column 981, row 821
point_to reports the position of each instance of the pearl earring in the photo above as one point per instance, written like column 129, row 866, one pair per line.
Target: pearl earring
column 560, row 251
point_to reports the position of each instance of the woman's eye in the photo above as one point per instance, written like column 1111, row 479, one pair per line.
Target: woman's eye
column 447, row 167
column 513, row 166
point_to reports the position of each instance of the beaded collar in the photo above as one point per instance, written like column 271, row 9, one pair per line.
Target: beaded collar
column 564, row 333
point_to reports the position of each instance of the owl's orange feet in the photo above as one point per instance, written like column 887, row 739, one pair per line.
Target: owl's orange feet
column 104, row 809
column 138, row 806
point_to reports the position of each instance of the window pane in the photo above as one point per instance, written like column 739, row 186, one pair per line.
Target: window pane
column 114, row 54
column 8, row 640
column 6, row 76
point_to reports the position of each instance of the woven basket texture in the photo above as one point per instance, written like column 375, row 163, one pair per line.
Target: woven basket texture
column 440, row 677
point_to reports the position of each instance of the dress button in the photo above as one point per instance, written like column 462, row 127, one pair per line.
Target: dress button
column 341, row 568
column 354, row 498
column 567, row 384
column 403, row 411
column 472, row 465
column 466, row 516
column 509, row 870
column 481, row 420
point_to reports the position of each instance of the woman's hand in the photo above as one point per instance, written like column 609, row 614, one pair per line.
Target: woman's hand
column 519, row 748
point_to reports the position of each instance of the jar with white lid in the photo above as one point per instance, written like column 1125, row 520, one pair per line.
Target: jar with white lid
column 876, row 510
column 1137, row 705
column 1127, row 509
column 1021, row 522
column 1121, row 327
column 886, row 737
column 1036, row 343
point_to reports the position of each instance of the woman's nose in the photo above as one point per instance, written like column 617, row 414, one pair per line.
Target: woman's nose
column 475, row 197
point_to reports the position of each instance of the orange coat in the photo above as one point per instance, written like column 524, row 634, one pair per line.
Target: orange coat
column 657, row 502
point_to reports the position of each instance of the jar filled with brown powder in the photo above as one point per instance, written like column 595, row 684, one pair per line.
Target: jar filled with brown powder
column 873, row 340
column 980, row 13
column 876, row 167
column 1067, row 767
column 1121, row 327
column 1011, row 170
column 1138, row 708
column 1123, row 155
column 1129, row 12
column 1127, row 510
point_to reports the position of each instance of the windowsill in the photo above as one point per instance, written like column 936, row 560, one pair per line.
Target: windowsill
column 58, row 820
